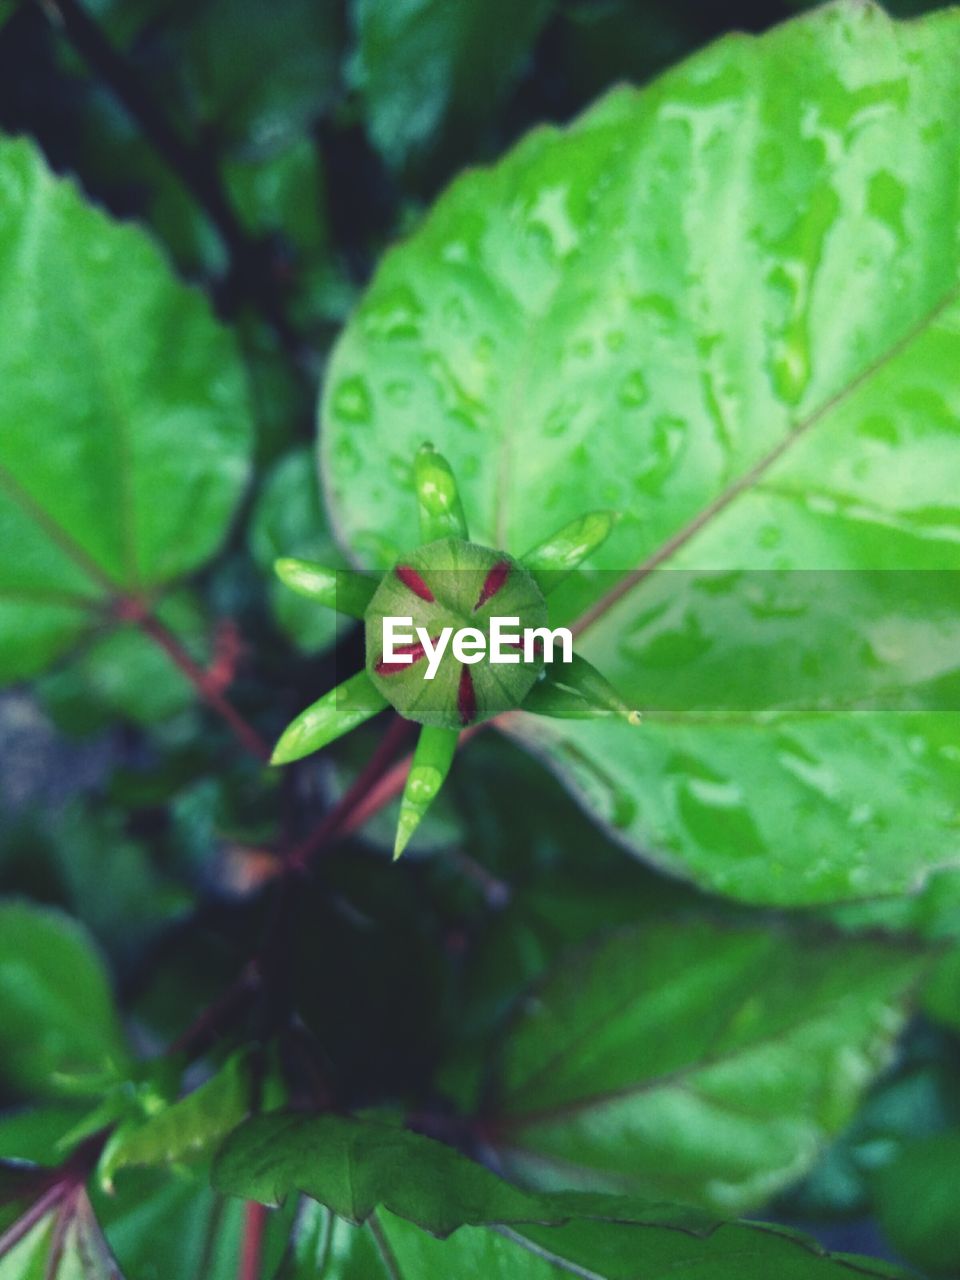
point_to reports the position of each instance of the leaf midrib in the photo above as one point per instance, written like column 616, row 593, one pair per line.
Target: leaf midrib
column 679, row 1076
column 755, row 473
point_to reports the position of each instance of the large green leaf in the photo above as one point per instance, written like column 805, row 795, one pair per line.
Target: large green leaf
column 124, row 673
column 125, row 429
column 726, row 305
column 359, row 1168
column 594, row 1249
column 355, row 1166
column 693, row 1062
column 421, row 65
column 918, row 1202
column 58, row 1028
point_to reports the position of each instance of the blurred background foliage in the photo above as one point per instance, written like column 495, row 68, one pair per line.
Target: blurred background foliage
column 275, row 150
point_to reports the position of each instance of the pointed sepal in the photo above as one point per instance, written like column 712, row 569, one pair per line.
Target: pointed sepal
column 438, row 498
column 431, row 764
column 341, row 589
column 557, row 557
column 336, row 713
column 577, row 691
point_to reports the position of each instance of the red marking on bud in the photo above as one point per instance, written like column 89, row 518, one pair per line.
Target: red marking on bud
column 492, row 583
column 466, row 697
column 416, row 652
column 410, row 578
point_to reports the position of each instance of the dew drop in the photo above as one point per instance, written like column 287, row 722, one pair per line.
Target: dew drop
column 398, row 393
column 634, row 391
column 351, row 400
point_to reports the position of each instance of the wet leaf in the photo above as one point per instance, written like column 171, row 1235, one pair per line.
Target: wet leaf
column 59, row 1032
column 360, row 1168
column 125, row 430
column 693, row 1062
column 727, row 307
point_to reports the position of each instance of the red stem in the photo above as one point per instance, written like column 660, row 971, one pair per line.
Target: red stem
column 389, row 785
column 205, row 1028
column 339, row 820
column 251, row 1252
column 30, row 1217
column 207, row 685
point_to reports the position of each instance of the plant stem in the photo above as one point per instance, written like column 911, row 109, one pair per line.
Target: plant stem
column 340, row 819
column 30, row 1217
column 196, row 171
column 203, row 1031
column 251, row 1251
column 390, row 783
column 207, row 687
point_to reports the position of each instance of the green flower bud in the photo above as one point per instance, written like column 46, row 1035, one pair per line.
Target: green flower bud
column 445, row 588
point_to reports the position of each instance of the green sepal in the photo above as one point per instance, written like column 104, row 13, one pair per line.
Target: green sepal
column 431, row 764
column 577, row 691
column 438, row 498
column 333, row 715
column 556, row 558
column 341, row 589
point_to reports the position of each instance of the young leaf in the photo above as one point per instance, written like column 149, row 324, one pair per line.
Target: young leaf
column 694, row 1062
column 125, row 431
column 59, row 1032
column 743, row 337
column 431, row 764
column 185, row 1130
column 336, row 713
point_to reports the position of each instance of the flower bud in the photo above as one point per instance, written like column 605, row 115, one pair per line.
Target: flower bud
column 445, row 588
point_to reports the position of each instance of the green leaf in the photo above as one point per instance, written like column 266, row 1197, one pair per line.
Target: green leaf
column 187, row 1129
column 124, row 673
column 125, row 429
column 727, row 307
column 355, row 1166
column 397, row 1183
column 288, row 521
column 694, row 1062
column 941, row 995
column 918, row 1202
column 422, row 66
column 59, row 1032
column 634, row 1248
column 163, row 1223
column 254, row 91
column 284, row 194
